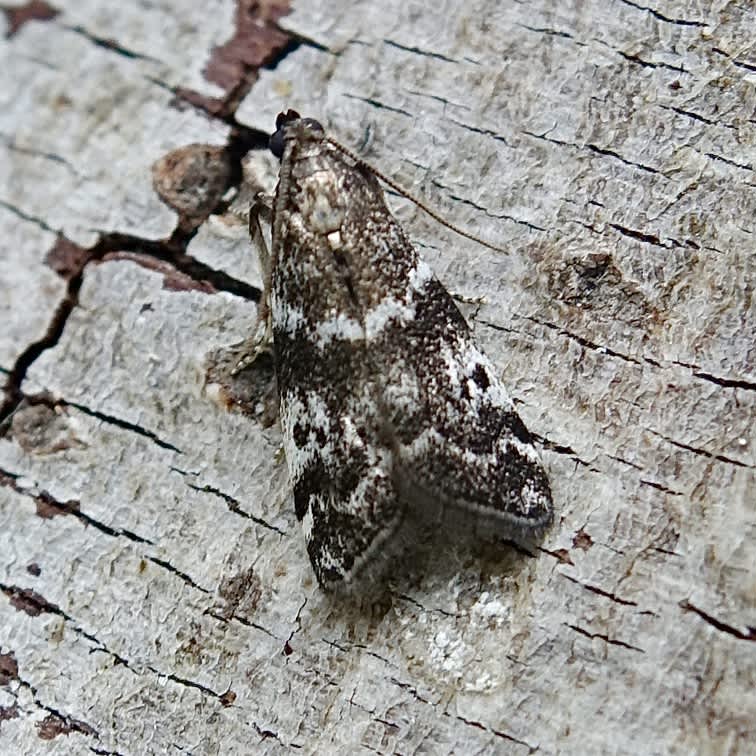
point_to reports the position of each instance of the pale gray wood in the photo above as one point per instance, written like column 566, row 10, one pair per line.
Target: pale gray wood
column 610, row 147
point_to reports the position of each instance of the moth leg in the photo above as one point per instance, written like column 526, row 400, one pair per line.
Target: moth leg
column 262, row 207
column 262, row 333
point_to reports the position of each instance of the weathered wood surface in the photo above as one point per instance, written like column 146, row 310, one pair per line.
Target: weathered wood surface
column 155, row 594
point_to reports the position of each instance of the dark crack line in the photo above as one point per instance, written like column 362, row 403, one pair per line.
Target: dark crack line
column 557, row 448
column 661, row 17
column 483, row 132
column 648, row 64
column 51, row 156
column 361, row 648
column 109, row 44
column 418, row 51
column 485, row 210
column 243, row 65
column 235, row 506
column 225, row 106
column 690, row 114
column 735, row 61
column 296, row 41
column 438, row 610
column 68, row 720
column 242, row 138
column 593, row 148
column 742, row 64
column 611, row 153
column 567, row 451
column 182, row 749
column 722, row 159
column 338, row 646
column 497, row 733
column 599, row 591
column 561, row 555
column 661, row 487
column 377, row 104
column 651, row 483
column 519, row 548
column 52, row 335
column 605, row 638
column 33, row 604
column 748, row 635
column 28, row 356
column 700, row 452
column 696, row 372
column 27, row 217
column 244, row 622
column 168, row 566
column 627, row 462
column 30, row 602
column 436, row 98
column 266, row 734
column 65, row 508
column 173, row 252
column 550, row 32
column 297, row 626
column 590, row 344
column 726, row 382
column 662, row 550
column 114, row 532
column 119, row 423
column 44, row 606
column 412, row 691
column 387, row 723
column 641, row 236
column 185, row 682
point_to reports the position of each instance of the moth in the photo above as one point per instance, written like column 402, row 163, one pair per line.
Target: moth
column 385, row 400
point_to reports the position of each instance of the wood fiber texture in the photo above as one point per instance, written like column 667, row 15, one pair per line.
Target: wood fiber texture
column 155, row 591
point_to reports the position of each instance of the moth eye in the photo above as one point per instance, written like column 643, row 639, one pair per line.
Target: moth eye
column 311, row 123
column 276, row 143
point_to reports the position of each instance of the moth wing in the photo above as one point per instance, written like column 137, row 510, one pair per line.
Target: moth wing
column 459, row 437
column 345, row 527
column 344, row 493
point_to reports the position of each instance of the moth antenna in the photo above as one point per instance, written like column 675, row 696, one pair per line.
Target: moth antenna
column 412, row 198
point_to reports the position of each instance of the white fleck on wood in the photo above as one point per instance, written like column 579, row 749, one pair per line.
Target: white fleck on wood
column 155, row 592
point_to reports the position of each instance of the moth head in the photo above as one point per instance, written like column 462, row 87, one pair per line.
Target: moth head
column 277, row 140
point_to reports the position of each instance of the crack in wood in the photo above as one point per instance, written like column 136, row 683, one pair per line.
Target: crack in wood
column 47, row 506
column 701, row 452
column 661, row 17
column 119, row 423
column 234, row 505
column 749, row 634
column 168, row 566
column 604, row 637
column 171, row 251
column 419, row 51
column 378, row 104
column 109, row 44
column 599, row 591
